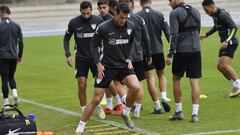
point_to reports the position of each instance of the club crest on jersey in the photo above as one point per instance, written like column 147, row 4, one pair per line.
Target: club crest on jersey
column 93, row 26
column 129, row 31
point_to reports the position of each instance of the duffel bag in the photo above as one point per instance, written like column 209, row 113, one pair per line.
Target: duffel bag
column 15, row 123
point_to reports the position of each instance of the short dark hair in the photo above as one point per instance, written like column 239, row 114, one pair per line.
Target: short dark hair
column 85, row 5
column 207, row 2
column 102, row 2
column 113, row 3
column 124, row 1
column 145, row 1
column 5, row 9
column 123, row 7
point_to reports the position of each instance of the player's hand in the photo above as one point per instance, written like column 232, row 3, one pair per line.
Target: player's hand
column 148, row 60
column 169, row 61
column 202, row 36
column 224, row 45
column 129, row 62
column 69, row 61
column 19, row 61
column 100, row 69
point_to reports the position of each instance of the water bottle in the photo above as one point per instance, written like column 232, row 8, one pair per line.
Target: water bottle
column 32, row 117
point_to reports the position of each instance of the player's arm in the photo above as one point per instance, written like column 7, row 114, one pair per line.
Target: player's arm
column 174, row 26
column 210, row 32
column 20, row 44
column 96, row 43
column 226, row 18
column 146, row 41
column 166, row 29
column 130, row 45
column 130, row 49
column 66, row 39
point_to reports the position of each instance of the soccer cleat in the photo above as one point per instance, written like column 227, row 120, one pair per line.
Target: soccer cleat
column 119, row 109
column 194, row 118
column 176, row 116
column 79, row 130
column 128, row 121
column 101, row 113
column 136, row 114
column 166, row 106
column 15, row 101
column 235, row 92
column 108, row 111
column 157, row 111
column 78, row 133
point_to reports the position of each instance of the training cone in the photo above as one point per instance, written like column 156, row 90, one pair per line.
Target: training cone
column 203, row 96
column 44, row 133
column 168, row 99
column 104, row 101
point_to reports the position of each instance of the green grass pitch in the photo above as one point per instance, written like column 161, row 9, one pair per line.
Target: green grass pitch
column 44, row 77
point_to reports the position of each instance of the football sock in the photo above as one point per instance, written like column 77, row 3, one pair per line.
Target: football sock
column 195, row 109
column 178, row 107
column 157, row 105
column 137, row 107
column 164, row 96
column 109, row 103
column 118, row 100
column 124, row 99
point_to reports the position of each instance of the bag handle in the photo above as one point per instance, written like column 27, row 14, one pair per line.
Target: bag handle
column 11, row 108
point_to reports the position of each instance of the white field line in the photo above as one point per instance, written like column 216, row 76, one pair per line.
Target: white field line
column 65, row 111
column 215, row 132
column 140, row 130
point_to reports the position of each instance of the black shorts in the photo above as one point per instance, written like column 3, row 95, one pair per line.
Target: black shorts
column 8, row 66
column 229, row 51
column 139, row 70
column 158, row 62
column 112, row 74
column 82, row 68
column 189, row 62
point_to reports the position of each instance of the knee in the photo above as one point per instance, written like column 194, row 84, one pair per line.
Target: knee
column 82, row 86
column 220, row 66
column 135, row 87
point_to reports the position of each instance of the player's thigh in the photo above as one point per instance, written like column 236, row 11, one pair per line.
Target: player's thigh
column 4, row 66
column 179, row 64
column 81, row 69
column 194, row 69
column 139, row 70
column 129, row 78
column 159, row 61
column 109, row 75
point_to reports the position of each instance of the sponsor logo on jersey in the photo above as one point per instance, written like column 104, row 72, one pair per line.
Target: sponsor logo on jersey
column 118, row 41
column 85, row 35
